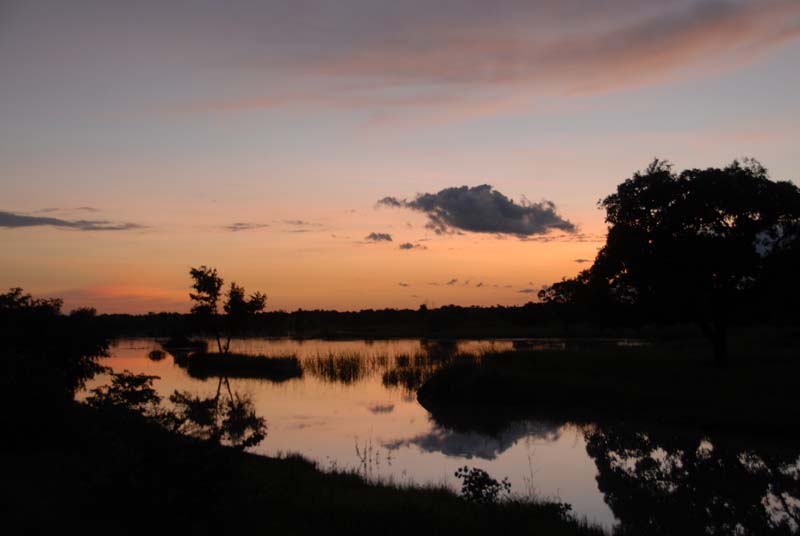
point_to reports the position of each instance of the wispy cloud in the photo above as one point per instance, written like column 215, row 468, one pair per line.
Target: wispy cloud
column 11, row 220
column 409, row 245
column 50, row 210
column 475, row 57
column 566, row 237
column 245, row 226
column 482, row 209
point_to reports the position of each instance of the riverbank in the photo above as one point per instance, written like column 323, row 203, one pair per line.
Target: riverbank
column 118, row 474
column 668, row 383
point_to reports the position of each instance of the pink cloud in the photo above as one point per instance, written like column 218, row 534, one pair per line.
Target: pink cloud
column 473, row 61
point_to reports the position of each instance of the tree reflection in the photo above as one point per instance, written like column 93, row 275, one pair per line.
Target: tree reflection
column 230, row 420
column 660, row 482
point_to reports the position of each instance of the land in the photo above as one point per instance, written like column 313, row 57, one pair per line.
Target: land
column 116, row 473
column 232, row 365
column 669, row 382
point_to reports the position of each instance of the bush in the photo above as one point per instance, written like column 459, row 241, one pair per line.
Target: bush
column 478, row 486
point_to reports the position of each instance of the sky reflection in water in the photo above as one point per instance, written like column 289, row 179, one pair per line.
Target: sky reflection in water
column 367, row 423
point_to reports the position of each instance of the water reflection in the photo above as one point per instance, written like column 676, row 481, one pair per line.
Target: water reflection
column 663, row 482
column 656, row 480
column 474, row 444
column 639, row 479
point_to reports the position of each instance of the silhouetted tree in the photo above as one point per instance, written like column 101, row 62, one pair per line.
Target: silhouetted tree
column 702, row 245
column 46, row 353
column 238, row 308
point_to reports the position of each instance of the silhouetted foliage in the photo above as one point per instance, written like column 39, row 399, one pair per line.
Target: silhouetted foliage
column 478, row 486
column 46, row 357
column 231, row 421
column 128, row 391
column 663, row 482
column 701, row 245
column 238, row 308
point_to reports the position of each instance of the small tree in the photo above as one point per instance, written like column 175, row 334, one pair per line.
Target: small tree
column 238, row 308
column 233, row 421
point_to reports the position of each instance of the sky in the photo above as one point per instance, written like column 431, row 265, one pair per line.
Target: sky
column 362, row 153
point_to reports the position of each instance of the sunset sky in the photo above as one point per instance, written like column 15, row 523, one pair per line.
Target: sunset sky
column 332, row 154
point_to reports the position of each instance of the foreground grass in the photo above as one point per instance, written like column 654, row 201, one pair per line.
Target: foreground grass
column 672, row 383
column 118, row 474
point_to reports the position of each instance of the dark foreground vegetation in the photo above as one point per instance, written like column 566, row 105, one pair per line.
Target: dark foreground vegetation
column 667, row 382
column 123, row 463
column 118, row 474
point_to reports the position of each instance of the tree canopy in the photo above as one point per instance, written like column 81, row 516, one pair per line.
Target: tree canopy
column 701, row 245
column 207, row 285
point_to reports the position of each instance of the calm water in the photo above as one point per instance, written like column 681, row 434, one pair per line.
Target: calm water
column 364, row 415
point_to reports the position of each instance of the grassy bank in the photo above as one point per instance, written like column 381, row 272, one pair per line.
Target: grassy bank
column 118, row 474
column 277, row 369
column 672, row 383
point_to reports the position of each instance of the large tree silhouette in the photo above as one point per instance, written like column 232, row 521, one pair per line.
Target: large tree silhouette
column 702, row 245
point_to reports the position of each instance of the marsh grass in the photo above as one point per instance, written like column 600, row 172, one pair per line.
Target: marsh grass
column 344, row 367
column 411, row 371
column 404, row 371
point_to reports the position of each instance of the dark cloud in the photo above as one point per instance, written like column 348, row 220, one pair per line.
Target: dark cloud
column 404, row 284
column 482, row 209
column 245, row 226
column 581, row 261
column 381, row 408
column 378, row 237
column 409, row 245
column 479, row 285
column 10, row 220
column 526, row 291
column 452, row 281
